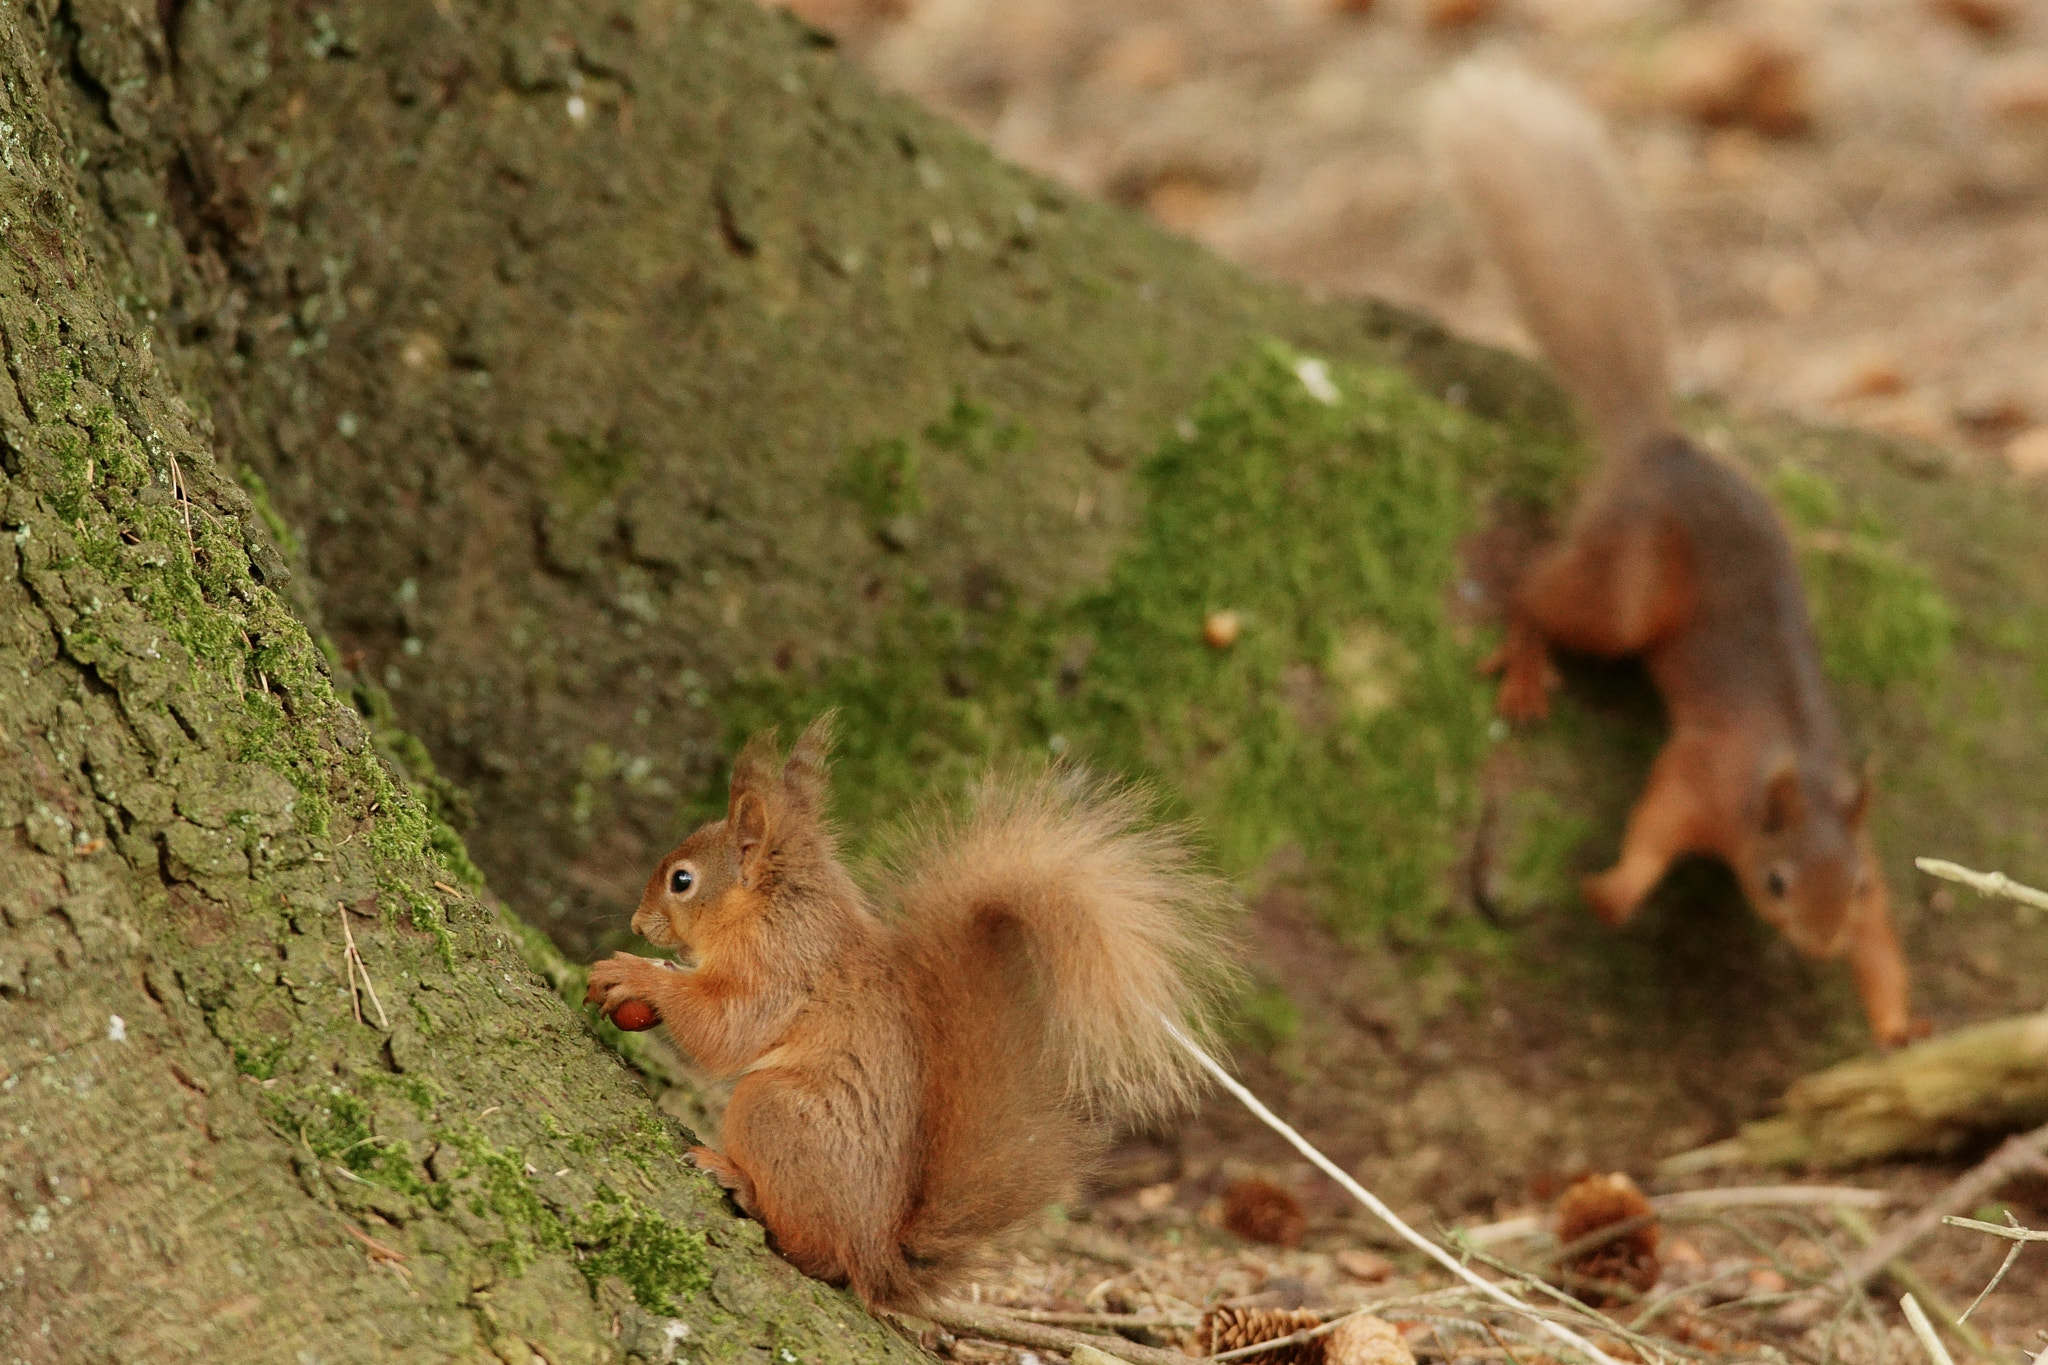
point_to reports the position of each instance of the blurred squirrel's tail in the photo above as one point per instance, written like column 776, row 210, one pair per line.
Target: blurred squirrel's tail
column 1536, row 173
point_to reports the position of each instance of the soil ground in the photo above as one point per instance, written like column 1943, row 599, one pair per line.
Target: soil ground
column 1853, row 202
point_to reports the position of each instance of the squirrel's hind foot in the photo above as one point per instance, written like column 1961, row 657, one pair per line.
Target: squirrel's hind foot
column 722, row 1169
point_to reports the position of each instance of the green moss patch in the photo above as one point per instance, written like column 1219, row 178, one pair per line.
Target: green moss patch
column 1882, row 622
column 1324, row 508
column 655, row 1258
column 338, row 1126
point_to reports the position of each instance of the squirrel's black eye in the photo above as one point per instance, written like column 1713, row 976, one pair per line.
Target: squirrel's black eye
column 680, row 881
column 1776, row 880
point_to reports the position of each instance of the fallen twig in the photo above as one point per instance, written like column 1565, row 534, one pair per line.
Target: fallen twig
column 1742, row 1196
column 1108, row 1322
column 378, row 1251
column 2014, row 1233
column 1378, row 1206
column 1984, row 883
column 1911, row 1282
column 974, row 1320
column 2020, row 1237
column 2016, row 1154
column 1916, row 1318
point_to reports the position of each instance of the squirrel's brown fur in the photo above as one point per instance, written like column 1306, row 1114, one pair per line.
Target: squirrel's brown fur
column 910, row 1084
column 1671, row 554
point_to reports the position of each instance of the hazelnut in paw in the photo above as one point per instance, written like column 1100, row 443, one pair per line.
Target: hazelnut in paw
column 619, row 986
column 634, row 1016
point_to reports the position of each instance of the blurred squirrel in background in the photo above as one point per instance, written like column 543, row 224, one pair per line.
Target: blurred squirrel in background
column 910, row 1084
column 1670, row 554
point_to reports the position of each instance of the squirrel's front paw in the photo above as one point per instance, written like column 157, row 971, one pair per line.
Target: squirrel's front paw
column 1902, row 1033
column 1609, row 897
column 1527, row 676
column 1525, row 686
column 619, row 978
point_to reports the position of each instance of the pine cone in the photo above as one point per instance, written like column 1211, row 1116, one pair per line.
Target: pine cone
column 1226, row 1329
column 1600, row 1201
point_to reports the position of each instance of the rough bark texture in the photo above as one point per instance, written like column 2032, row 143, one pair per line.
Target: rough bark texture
column 203, row 1149
column 632, row 372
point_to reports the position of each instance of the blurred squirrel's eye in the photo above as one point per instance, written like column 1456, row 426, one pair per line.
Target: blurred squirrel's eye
column 1778, row 882
column 680, row 881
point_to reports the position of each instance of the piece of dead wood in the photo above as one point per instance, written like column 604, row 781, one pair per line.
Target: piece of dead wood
column 975, row 1320
column 1930, row 1099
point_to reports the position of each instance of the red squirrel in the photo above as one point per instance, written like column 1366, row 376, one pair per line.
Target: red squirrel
column 911, row 1083
column 1670, row 554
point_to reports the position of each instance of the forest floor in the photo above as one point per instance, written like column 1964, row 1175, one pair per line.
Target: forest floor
column 1852, row 198
column 1851, row 195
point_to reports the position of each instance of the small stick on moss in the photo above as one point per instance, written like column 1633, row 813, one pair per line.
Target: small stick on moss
column 355, row 959
column 378, row 1251
column 185, row 502
column 1379, row 1206
column 348, row 962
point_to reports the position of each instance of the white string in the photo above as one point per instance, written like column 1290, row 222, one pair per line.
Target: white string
column 1373, row 1202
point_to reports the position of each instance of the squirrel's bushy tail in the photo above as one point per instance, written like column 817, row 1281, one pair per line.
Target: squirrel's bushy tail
column 1049, row 935
column 1537, row 175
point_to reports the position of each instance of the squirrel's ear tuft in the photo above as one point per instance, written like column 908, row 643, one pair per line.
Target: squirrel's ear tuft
column 754, row 769
column 748, row 825
column 1784, row 802
column 805, row 777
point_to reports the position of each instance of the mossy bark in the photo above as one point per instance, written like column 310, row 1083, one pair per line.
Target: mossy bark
column 216, row 1143
column 613, row 373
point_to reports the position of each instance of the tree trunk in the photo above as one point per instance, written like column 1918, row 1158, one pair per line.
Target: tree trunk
column 217, row 1143
column 615, row 377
